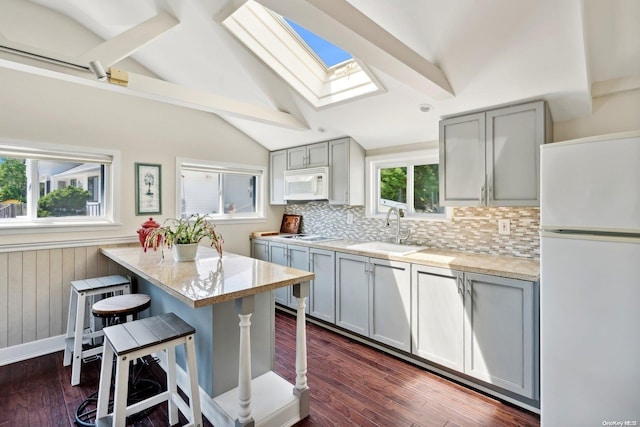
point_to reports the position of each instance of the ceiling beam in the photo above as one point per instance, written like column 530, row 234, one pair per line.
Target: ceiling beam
column 343, row 25
column 162, row 91
column 125, row 44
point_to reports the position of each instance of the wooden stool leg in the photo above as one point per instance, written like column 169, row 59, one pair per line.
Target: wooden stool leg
column 194, row 398
column 104, row 387
column 172, row 384
column 76, row 366
column 121, row 391
column 71, row 318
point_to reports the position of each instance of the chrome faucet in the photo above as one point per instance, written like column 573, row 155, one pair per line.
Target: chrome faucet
column 399, row 214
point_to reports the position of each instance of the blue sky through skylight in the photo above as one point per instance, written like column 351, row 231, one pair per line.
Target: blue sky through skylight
column 330, row 54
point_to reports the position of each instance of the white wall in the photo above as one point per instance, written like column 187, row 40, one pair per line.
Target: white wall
column 610, row 114
column 47, row 110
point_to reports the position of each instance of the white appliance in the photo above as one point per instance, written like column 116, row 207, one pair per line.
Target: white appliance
column 306, row 184
column 590, row 281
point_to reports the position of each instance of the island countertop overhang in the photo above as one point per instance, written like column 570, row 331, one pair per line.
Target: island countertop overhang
column 209, row 279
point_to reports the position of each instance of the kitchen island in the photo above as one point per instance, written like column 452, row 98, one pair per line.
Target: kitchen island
column 222, row 297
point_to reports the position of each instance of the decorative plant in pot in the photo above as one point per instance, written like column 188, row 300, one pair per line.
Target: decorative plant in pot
column 184, row 234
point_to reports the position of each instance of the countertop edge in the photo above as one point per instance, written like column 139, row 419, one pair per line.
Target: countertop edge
column 516, row 268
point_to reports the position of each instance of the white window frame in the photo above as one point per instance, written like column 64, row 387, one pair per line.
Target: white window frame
column 276, row 43
column 223, row 167
column 404, row 159
column 62, row 152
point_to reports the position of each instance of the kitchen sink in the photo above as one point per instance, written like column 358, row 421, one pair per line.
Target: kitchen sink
column 306, row 237
column 386, row 248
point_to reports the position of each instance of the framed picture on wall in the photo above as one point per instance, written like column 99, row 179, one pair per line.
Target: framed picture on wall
column 148, row 189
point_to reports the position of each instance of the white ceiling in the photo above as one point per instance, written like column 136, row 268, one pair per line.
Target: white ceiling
column 492, row 52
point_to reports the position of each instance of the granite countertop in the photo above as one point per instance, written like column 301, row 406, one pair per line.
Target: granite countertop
column 209, row 279
column 496, row 265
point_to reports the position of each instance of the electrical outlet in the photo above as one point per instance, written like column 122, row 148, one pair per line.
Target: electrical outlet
column 504, row 226
column 349, row 218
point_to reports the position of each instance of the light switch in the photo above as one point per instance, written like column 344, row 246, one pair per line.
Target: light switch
column 504, row 226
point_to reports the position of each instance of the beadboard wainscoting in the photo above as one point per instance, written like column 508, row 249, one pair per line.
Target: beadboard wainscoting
column 471, row 229
column 34, row 290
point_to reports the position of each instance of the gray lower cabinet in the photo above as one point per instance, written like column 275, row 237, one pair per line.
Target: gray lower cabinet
column 293, row 256
column 437, row 315
column 373, row 298
column 501, row 331
column 260, row 249
column 482, row 325
column 322, row 292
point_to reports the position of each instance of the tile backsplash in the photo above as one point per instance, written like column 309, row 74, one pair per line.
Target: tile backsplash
column 470, row 230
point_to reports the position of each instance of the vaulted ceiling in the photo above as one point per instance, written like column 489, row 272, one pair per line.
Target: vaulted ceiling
column 455, row 56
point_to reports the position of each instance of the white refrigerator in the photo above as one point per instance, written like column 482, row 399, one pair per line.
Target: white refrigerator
column 590, row 282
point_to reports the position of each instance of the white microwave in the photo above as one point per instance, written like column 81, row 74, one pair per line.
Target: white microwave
column 306, row 184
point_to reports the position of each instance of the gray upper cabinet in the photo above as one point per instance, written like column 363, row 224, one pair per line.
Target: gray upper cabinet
column 308, row 156
column 462, row 162
column 277, row 166
column 500, row 333
column 346, row 172
column 492, row 158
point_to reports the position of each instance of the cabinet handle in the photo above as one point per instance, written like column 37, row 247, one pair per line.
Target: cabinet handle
column 490, row 192
column 468, row 286
column 460, row 286
column 482, row 193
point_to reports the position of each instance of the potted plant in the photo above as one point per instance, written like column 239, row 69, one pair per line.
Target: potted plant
column 184, row 234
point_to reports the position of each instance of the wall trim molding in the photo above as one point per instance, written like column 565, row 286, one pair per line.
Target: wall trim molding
column 19, row 247
column 20, row 352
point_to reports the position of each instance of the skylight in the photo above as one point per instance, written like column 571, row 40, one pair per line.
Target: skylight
column 328, row 53
column 320, row 72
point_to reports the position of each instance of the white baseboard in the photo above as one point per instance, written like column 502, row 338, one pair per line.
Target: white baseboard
column 20, row 352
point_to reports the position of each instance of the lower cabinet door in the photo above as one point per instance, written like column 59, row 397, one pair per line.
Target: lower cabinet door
column 437, row 315
column 322, row 299
column 390, row 303
column 278, row 255
column 298, row 258
column 352, row 293
column 500, row 328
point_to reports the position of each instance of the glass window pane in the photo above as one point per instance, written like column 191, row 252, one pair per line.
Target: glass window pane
column 426, row 189
column 393, row 185
column 13, row 188
column 239, row 193
column 63, row 188
column 200, row 193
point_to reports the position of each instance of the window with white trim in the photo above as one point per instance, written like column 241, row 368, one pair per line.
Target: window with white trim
column 44, row 185
column 408, row 178
column 220, row 191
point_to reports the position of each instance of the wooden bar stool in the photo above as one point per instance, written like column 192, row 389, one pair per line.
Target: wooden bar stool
column 116, row 310
column 81, row 292
column 132, row 340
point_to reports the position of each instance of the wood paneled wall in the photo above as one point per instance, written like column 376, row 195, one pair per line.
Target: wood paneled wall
column 34, row 289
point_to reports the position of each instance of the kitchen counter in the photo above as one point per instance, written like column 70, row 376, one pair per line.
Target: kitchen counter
column 209, row 279
column 503, row 266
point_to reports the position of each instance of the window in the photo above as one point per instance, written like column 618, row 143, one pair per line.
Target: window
column 42, row 185
column 320, row 72
column 408, row 178
column 219, row 190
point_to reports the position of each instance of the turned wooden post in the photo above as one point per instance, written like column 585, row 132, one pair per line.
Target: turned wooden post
column 245, row 307
column 301, row 389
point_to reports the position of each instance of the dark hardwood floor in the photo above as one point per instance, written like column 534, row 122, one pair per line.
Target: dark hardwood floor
column 351, row 384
